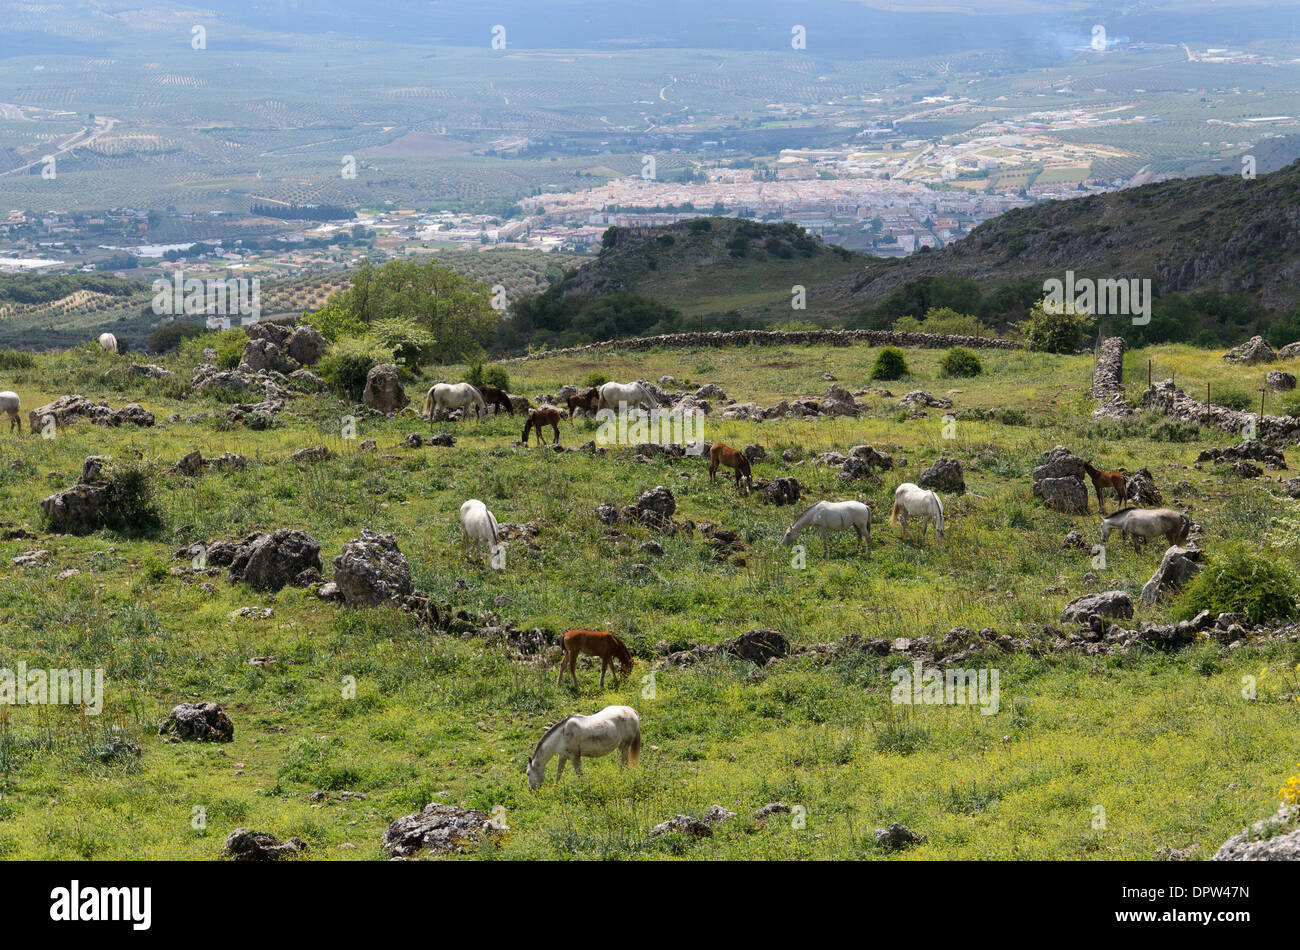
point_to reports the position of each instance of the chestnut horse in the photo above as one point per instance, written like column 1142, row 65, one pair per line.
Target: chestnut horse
column 585, row 401
column 723, row 454
column 1115, row 481
column 546, row 416
column 594, row 643
column 497, row 397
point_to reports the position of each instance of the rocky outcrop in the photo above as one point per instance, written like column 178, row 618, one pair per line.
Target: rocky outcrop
column 245, row 845
column 80, row 509
column 1279, row 381
column 198, row 722
column 1252, row 450
column 1254, row 350
column 780, row 491
column 275, row 560
column 306, row 345
column 916, row 400
column 439, row 828
column 1107, row 381
column 1177, row 567
column 944, row 475
column 1059, row 481
column 838, row 402
column 67, row 410
column 384, row 391
column 758, row 646
column 1106, row 604
column 1276, row 838
column 1165, row 397
column 1141, row 490
column 372, row 570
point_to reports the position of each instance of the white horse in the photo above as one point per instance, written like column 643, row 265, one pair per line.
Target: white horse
column 9, row 406
column 478, row 525
column 828, row 516
column 614, row 727
column 108, row 342
column 912, row 501
column 447, row 396
column 610, row 395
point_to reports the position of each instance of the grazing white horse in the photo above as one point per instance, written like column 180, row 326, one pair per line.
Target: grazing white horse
column 632, row 394
column 108, row 343
column 1141, row 524
column 614, row 727
column 828, row 516
column 447, row 396
column 912, row 501
column 478, row 525
column 9, row 406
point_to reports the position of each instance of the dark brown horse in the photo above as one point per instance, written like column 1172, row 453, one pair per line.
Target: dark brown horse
column 546, row 416
column 595, row 643
column 497, row 397
column 1115, row 481
column 723, row 454
column 585, row 401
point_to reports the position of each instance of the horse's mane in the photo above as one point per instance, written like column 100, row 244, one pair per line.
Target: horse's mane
column 1121, row 511
column 546, row 734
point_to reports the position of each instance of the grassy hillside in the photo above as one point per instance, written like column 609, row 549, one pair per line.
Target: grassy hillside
column 716, row 265
column 1165, row 743
column 1216, row 232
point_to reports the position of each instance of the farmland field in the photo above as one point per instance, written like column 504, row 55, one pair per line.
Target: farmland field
column 1163, row 742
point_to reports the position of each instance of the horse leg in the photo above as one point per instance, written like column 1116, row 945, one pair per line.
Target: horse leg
column 573, row 668
column 564, row 658
column 559, row 767
column 556, row 427
column 604, row 665
column 713, row 471
column 577, row 763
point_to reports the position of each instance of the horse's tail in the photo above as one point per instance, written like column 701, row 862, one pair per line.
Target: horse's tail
column 893, row 515
column 428, row 403
column 634, row 750
column 938, row 518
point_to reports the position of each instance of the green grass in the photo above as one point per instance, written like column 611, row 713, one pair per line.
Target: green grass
column 1166, row 745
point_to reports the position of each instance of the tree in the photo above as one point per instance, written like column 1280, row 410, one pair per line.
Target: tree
column 453, row 308
column 1062, row 332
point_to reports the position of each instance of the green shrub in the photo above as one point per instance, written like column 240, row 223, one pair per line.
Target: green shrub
column 1230, row 397
column 133, row 497
column 594, row 379
column 960, row 361
column 411, row 344
column 335, row 322
column 480, row 375
column 1173, row 430
column 230, row 348
column 890, row 364
column 167, row 338
column 347, row 361
column 1241, row 580
column 12, row 359
column 1055, row 332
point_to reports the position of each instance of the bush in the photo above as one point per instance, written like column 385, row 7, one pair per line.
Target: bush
column 480, row 375
column 12, row 359
column 1055, row 332
column 411, row 344
column 1174, row 430
column 890, row 364
column 165, row 339
column 1230, row 397
column 133, row 496
column 335, row 322
column 347, row 362
column 1241, row 580
column 960, row 361
column 594, row 379
column 230, row 348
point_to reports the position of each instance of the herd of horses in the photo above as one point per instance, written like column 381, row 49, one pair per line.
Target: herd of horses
column 617, row 728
